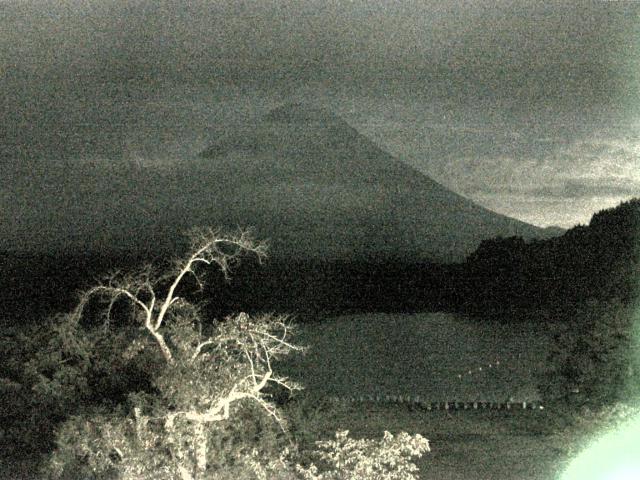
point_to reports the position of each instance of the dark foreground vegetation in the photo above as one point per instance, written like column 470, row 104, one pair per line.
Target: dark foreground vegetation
column 79, row 380
column 135, row 382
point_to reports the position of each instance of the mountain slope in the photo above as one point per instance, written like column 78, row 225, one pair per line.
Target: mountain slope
column 317, row 187
column 306, row 180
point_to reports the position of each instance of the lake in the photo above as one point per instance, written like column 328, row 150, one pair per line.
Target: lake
column 437, row 356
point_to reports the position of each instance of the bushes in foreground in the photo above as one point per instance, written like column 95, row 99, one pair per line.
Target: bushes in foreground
column 152, row 390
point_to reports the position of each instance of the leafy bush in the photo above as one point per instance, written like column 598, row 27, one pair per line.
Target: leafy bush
column 347, row 459
column 173, row 396
column 69, row 369
column 40, row 392
column 592, row 360
column 105, row 445
column 307, row 418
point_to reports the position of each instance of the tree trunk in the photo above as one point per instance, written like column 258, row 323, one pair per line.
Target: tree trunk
column 200, row 449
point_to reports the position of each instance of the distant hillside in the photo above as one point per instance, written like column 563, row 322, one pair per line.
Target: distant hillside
column 599, row 261
column 553, row 231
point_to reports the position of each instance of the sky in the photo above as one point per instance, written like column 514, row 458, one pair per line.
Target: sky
column 528, row 108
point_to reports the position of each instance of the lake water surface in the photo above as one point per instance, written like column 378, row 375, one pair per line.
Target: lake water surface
column 438, row 356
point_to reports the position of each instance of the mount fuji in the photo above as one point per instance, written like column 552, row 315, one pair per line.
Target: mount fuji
column 316, row 187
column 300, row 176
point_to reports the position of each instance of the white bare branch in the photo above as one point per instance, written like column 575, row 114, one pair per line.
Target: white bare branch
column 209, row 250
column 199, row 348
column 281, row 341
column 249, row 344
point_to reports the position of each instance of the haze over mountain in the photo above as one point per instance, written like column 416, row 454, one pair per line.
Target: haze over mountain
column 317, row 187
column 306, row 181
column 527, row 108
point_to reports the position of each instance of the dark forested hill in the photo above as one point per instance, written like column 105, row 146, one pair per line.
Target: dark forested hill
column 503, row 275
column 600, row 261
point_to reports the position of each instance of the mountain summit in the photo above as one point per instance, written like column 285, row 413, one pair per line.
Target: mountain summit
column 316, row 187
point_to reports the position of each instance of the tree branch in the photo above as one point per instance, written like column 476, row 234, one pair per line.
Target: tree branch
column 199, row 348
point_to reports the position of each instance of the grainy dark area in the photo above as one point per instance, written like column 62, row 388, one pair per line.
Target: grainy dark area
column 449, row 193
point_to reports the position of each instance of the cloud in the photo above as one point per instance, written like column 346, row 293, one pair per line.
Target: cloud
column 468, row 92
column 563, row 186
column 80, row 75
column 583, row 169
column 533, row 50
column 605, row 187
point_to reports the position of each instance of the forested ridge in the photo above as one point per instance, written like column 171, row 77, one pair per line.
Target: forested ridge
column 503, row 276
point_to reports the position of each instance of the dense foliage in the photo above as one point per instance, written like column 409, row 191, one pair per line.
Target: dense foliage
column 349, row 459
column 137, row 383
column 594, row 358
column 599, row 261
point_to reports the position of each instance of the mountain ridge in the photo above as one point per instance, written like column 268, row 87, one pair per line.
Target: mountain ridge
column 309, row 150
column 303, row 178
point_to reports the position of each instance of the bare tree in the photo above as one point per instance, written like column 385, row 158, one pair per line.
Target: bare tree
column 208, row 247
column 204, row 374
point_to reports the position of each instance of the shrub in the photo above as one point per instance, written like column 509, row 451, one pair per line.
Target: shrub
column 347, row 459
column 203, row 407
column 592, row 358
